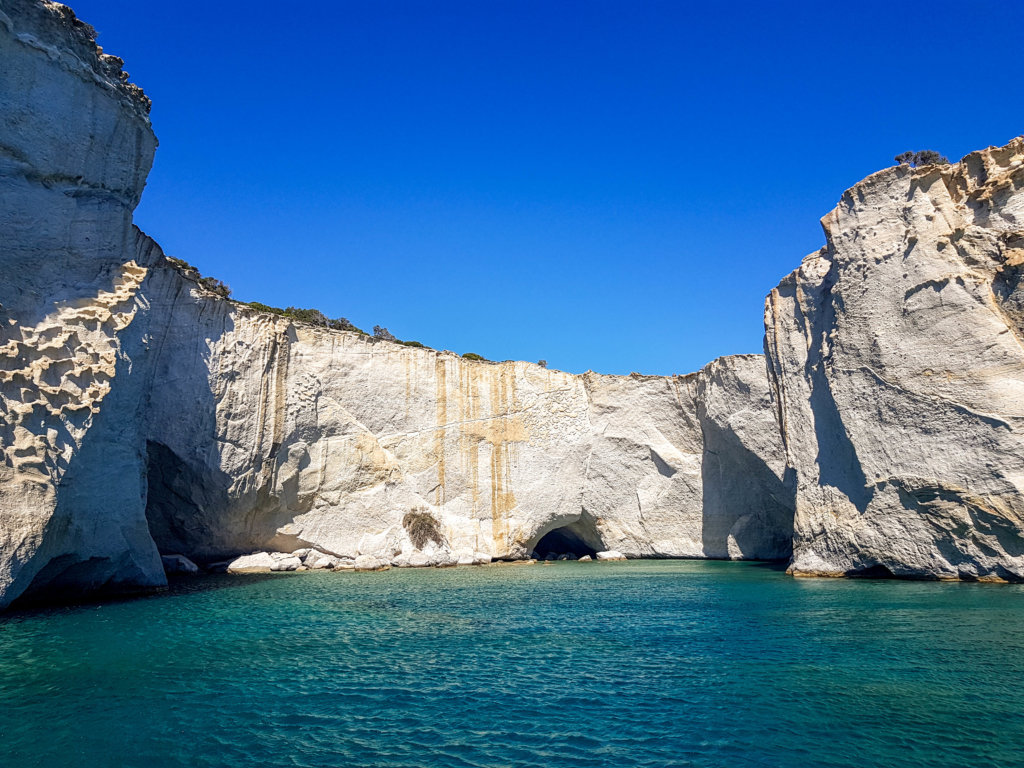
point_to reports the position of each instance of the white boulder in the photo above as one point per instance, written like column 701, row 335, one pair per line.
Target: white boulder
column 317, row 560
column 370, row 563
column 258, row 562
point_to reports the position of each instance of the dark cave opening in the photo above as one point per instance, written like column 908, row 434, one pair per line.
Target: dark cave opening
column 877, row 571
column 562, row 541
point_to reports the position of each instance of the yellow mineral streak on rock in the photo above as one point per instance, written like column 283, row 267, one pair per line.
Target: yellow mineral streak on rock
column 501, row 431
column 469, row 446
column 441, row 396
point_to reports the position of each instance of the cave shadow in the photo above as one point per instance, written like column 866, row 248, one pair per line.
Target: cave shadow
column 562, row 541
column 577, row 537
column 779, row 566
column 49, row 601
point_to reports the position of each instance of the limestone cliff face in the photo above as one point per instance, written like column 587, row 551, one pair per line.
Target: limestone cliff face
column 263, row 433
column 896, row 353
column 75, row 148
column 141, row 414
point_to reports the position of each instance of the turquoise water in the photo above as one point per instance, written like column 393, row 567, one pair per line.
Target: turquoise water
column 647, row 663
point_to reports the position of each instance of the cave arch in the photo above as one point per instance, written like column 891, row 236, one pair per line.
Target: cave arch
column 579, row 537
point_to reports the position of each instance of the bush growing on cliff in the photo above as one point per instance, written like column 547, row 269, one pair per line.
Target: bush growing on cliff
column 260, row 307
column 182, row 266
column 211, row 284
column 383, row 334
column 312, row 316
column 422, row 528
column 473, row 356
column 924, row 157
column 214, row 285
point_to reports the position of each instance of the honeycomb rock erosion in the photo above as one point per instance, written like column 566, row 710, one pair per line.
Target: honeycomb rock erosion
column 897, row 356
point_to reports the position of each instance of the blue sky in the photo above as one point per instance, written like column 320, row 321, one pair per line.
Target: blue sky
column 607, row 186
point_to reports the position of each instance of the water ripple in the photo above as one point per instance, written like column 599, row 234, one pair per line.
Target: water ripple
column 636, row 664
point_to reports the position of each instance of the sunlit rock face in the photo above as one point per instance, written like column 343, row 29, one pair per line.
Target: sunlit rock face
column 267, row 434
column 75, row 148
column 141, row 414
column 896, row 353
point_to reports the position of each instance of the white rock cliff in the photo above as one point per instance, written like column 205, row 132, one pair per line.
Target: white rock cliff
column 143, row 415
column 75, row 148
column 896, row 354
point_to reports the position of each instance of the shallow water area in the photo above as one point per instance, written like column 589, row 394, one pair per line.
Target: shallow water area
column 641, row 663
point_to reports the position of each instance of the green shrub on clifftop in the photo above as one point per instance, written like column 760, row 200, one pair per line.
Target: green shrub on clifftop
column 311, row 316
column 924, row 157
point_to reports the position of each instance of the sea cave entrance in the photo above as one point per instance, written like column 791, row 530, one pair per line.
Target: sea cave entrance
column 576, row 539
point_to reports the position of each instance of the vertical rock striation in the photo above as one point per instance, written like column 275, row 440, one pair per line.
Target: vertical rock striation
column 263, row 433
column 896, row 353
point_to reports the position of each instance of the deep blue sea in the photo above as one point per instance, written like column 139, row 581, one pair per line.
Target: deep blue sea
column 644, row 663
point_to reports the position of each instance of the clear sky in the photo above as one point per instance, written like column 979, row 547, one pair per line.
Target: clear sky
column 605, row 185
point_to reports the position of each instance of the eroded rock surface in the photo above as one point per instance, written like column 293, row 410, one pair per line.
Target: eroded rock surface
column 75, row 148
column 896, row 352
column 266, row 433
column 142, row 414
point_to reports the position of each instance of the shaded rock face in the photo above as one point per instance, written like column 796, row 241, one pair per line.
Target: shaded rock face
column 896, row 354
column 747, row 504
column 141, row 414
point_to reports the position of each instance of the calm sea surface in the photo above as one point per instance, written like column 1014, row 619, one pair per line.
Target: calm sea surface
column 647, row 663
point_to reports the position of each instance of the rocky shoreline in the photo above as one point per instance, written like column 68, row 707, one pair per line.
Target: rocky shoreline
column 308, row 559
